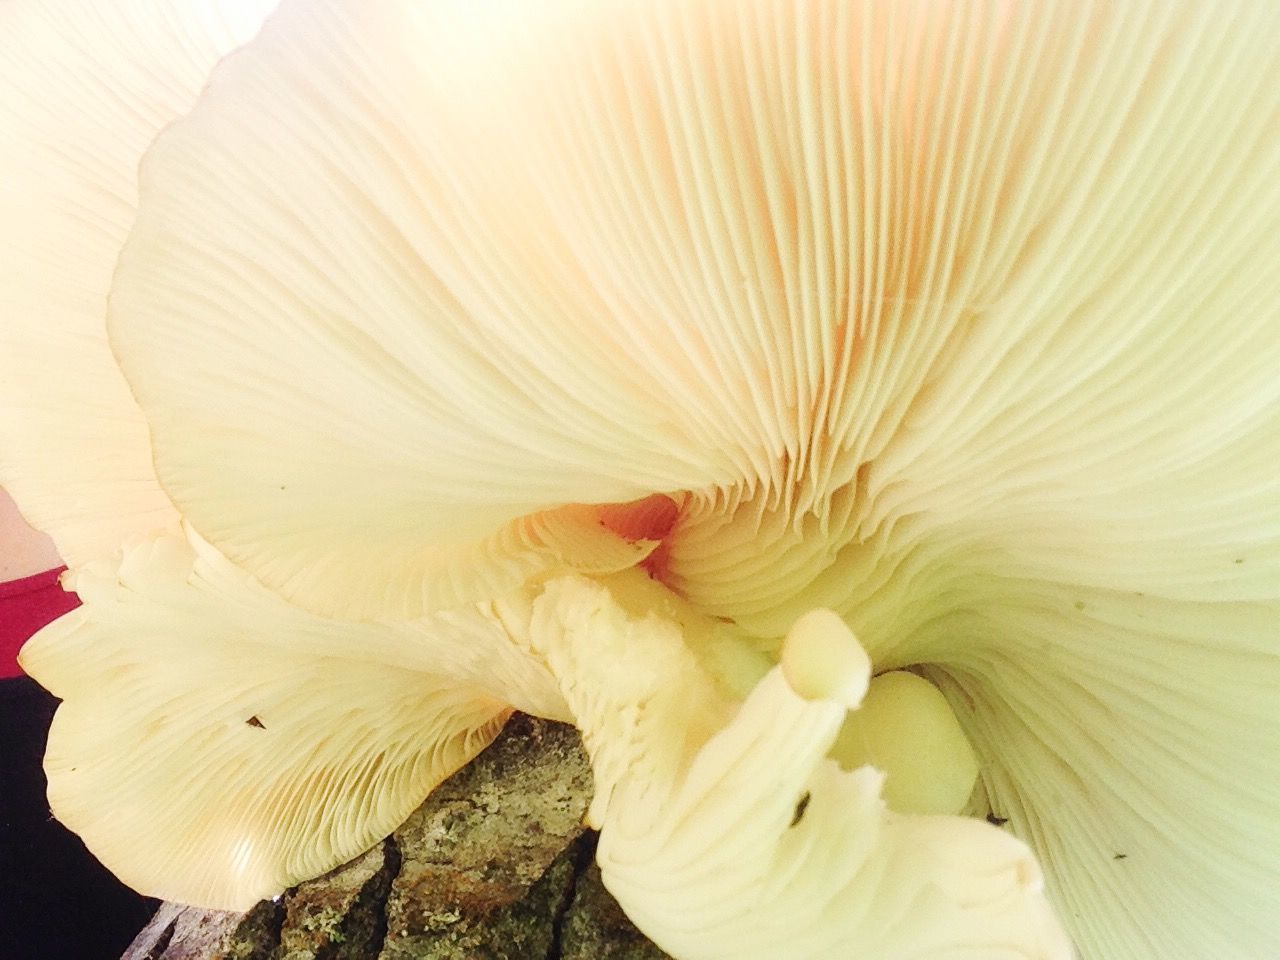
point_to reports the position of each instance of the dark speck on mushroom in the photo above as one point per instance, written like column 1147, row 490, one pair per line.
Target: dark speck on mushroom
column 996, row 821
column 801, row 806
column 255, row 722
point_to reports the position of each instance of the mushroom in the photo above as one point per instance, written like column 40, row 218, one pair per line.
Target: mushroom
column 728, row 831
column 216, row 744
column 690, row 352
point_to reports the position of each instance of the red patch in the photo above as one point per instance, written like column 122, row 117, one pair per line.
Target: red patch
column 653, row 518
column 26, row 605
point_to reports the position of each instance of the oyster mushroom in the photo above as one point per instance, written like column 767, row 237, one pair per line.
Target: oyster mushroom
column 956, row 321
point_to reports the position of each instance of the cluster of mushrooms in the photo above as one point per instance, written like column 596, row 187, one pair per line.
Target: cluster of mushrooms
column 860, row 418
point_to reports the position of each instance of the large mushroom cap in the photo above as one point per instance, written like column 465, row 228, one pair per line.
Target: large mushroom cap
column 958, row 321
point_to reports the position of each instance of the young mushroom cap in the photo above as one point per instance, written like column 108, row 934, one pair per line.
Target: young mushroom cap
column 726, row 831
column 822, row 661
column 906, row 728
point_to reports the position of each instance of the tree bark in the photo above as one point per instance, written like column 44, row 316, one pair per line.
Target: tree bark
column 496, row 865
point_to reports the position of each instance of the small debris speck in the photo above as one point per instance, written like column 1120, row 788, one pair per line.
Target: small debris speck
column 255, row 722
column 1121, row 856
column 801, row 806
column 996, row 821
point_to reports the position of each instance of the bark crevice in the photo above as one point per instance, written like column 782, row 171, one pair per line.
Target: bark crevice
column 379, row 888
column 583, row 855
column 162, row 941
